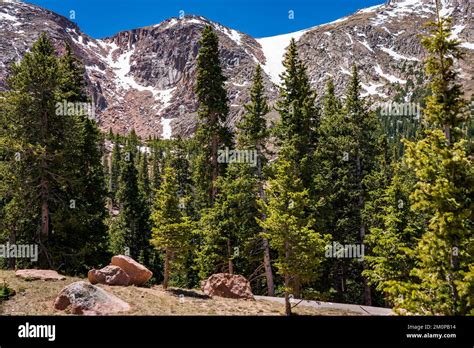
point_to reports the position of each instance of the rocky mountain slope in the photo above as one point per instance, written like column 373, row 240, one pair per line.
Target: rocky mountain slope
column 143, row 78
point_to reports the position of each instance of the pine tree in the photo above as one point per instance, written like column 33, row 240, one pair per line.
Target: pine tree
column 115, row 160
column 253, row 135
column 335, row 188
column 364, row 129
column 144, row 178
column 212, row 132
column 40, row 137
column 131, row 228
column 300, row 249
column 394, row 234
column 443, row 189
column 171, row 228
column 299, row 115
column 229, row 227
column 346, row 155
column 80, row 228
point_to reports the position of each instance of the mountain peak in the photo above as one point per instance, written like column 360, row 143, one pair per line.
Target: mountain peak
column 144, row 78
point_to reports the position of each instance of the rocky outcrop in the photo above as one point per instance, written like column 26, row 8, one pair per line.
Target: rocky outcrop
column 39, row 274
column 84, row 298
column 137, row 273
column 110, row 275
column 227, row 285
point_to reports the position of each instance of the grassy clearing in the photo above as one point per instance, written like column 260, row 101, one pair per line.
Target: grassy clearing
column 37, row 298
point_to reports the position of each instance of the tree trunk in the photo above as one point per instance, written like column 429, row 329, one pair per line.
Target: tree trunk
column 214, row 162
column 166, row 272
column 229, row 252
column 12, row 240
column 287, row 282
column 266, row 246
column 367, row 291
column 44, row 218
column 268, row 268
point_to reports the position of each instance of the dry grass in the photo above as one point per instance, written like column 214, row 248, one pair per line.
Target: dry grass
column 37, row 298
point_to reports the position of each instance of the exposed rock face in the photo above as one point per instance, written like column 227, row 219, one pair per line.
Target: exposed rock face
column 89, row 299
column 143, row 76
column 39, row 274
column 110, row 275
column 227, row 285
column 137, row 273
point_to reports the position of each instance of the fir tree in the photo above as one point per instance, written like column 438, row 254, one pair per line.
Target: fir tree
column 212, row 132
column 115, row 160
column 80, row 230
column 171, row 228
column 40, row 136
column 144, row 178
column 253, row 135
column 299, row 115
column 443, row 189
column 131, row 228
column 229, row 226
column 300, row 249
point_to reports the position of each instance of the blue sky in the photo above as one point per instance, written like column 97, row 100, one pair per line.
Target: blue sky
column 259, row 18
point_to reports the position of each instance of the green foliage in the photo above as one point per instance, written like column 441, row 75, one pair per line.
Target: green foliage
column 212, row 133
column 299, row 122
column 229, row 229
column 434, row 240
column 54, row 172
column 131, row 228
column 171, row 231
column 6, row 292
column 300, row 249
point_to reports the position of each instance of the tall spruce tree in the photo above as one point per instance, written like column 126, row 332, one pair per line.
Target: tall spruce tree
column 130, row 230
column 229, row 226
column 253, row 135
column 346, row 155
column 288, row 228
column 212, row 132
column 80, row 233
column 299, row 122
column 297, row 130
column 443, row 191
column 115, row 160
column 41, row 137
column 171, row 227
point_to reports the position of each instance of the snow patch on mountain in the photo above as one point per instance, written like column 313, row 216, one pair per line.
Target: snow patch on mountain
column 274, row 48
column 468, row 45
column 166, row 125
column 121, row 67
column 390, row 78
column 398, row 56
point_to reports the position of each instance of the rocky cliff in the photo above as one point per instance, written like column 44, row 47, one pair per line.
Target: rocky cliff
column 143, row 78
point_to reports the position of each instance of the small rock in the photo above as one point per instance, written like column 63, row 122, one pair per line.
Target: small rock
column 39, row 274
column 88, row 299
column 110, row 275
column 138, row 273
column 227, row 285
